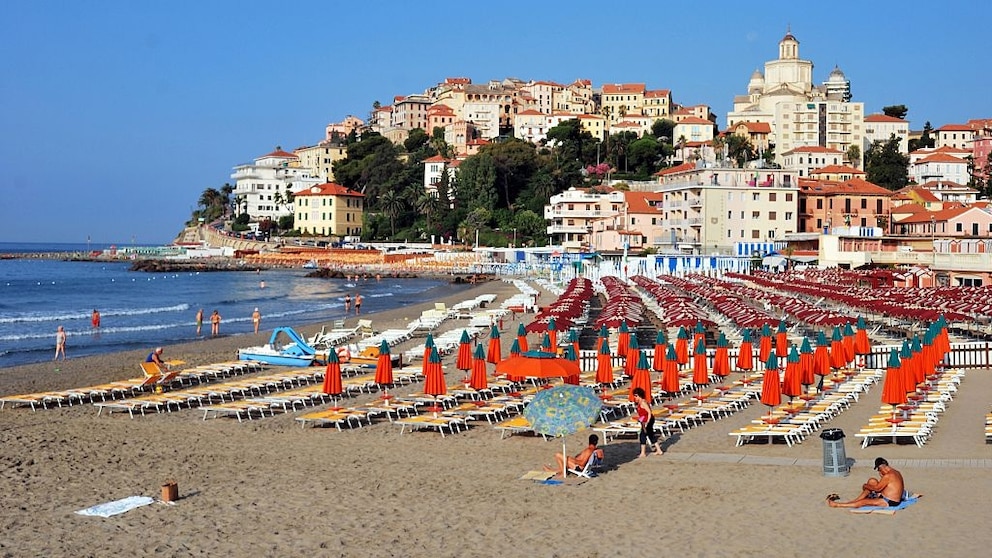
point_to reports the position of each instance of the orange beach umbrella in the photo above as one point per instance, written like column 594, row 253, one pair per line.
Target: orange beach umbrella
column 478, row 380
column 384, row 366
column 641, row 378
column 464, row 360
column 493, row 354
column 604, row 364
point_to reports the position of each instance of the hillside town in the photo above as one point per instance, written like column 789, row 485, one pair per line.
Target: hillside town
column 796, row 174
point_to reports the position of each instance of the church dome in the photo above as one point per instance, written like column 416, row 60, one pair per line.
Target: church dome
column 836, row 75
column 757, row 83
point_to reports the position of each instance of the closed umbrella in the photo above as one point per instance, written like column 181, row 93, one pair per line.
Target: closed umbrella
column 571, row 355
column 792, row 381
column 894, row 387
column 837, row 358
column 553, row 334
column 782, row 340
column 721, row 358
column 384, row 366
column 765, row 342
column 848, row 343
column 745, row 357
column 604, row 364
column 573, row 338
column 493, row 353
column 428, row 345
column 464, row 360
column 670, row 375
column 862, row 345
column 771, row 391
column 563, row 410
column 514, row 352
column 917, row 362
column 478, row 380
column 821, row 358
column 700, row 373
column 641, row 378
column 332, row 376
column 682, row 346
column 698, row 333
column 522, row 337
column 907, row 365
column 623, row 339
column 806, row 375
column 434, row 383
column 659, row 352
column 633, row 354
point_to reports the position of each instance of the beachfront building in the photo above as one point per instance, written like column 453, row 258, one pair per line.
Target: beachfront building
column 329, row 210
column 957, row 136
column 571, row 215
column 853, row 203
column 635, row 227
column 337, row 132
column 881, row 128
column 798, row 112
column 709, row 210
column 263, row 189
column 320, row 158
column 620, row 99
column 435, row 169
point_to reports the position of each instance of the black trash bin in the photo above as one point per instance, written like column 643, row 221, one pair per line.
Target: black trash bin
column 834, row 456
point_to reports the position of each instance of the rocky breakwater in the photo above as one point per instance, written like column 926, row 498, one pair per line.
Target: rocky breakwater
column 172, row 266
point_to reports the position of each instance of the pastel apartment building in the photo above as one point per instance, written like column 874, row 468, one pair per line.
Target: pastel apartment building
column 262, row 188
column 329, row 210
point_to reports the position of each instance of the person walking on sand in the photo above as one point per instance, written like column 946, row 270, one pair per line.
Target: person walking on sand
column 347, row 303
column 59, row 343
column 358, row 304
column 256, row 318
column 215, row 323
column 646, row 419
column 95, row 319
column 199, row 321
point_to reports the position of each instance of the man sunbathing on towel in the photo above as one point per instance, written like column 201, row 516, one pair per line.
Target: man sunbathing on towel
column 580, row 459
column 885, row 491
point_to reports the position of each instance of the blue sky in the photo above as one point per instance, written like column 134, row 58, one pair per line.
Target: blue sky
column 116, row 115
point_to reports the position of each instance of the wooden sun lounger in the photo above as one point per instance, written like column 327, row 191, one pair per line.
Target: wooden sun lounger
column 514, row 425
column 129, row 405
column 337, row 417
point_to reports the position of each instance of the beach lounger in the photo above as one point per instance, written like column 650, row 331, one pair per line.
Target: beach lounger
column 514, row 425
column 336, row 417
column 237, row 408
column 439, row 423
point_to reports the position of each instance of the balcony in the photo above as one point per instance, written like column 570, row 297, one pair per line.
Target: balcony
column 551, row 213
column 567, row 229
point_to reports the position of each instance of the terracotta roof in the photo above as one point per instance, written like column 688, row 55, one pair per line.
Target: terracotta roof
column 626, row 124
column 910, row 209
column 279, row 154
column 942, row 149
column 640, row 202
column 853, row 187
column 549, row 83
column 530, row 112
column 836, row 169
column 923, row 194
column 938, row 216
column 954, row 128
column 947, row 185
column 677, row 169
column 623, row 88
column 478, row 141
column 883, row 118
column 755, row 127
column 454, row 80
column 941, row 158
column 435, row 159
column 439, row 108
column 329, row 189
column 657, row 93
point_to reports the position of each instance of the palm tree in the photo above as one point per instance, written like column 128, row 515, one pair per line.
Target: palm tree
column 428, row 205
column 392, row 205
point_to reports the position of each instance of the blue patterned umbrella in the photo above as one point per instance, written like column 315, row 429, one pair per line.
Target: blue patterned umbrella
column 563, row 410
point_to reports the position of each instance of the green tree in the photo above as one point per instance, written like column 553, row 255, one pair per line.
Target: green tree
column 392, row 205
column 514, row 161
column 429, row 207
column 885, row 165
column 896, row 111
column 854, row 156
column 415, row 140
column 530, row 225
column 739, row 149
column 372, row 166
column 925, row 140
column 643, row 156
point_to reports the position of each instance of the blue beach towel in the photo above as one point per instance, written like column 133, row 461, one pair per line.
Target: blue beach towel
column 909, row 500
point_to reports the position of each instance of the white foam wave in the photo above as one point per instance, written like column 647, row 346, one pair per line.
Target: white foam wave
column 69, row 316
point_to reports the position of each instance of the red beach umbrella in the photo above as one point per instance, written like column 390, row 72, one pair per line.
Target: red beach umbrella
column 434, row 383
column 633, row 355
column 641, row 378
column 765, row 343
column 659, row 352
column 771, row 390
column 682, row 347
column 862, row 345
column 837, row 358
column 493, row 354
column 478, row 380
column 571, row 355
column 848, row 343
column 384, row 366
column 806, row 374
column 332, row 375
column 670, row 375
column 721, row 358
column 538, row 364
column 700, row 374
column 514, row 353
column 893, row 388
column 522, row 337
column 623, row 339
column 745, row 357
column 464, row 360
column 604, row 364
column 792, row 381
column 782, row 340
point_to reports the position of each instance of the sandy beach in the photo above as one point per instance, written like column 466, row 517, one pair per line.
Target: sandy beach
column 271, row 488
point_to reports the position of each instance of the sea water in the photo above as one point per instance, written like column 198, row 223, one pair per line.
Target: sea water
column 144, row 310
